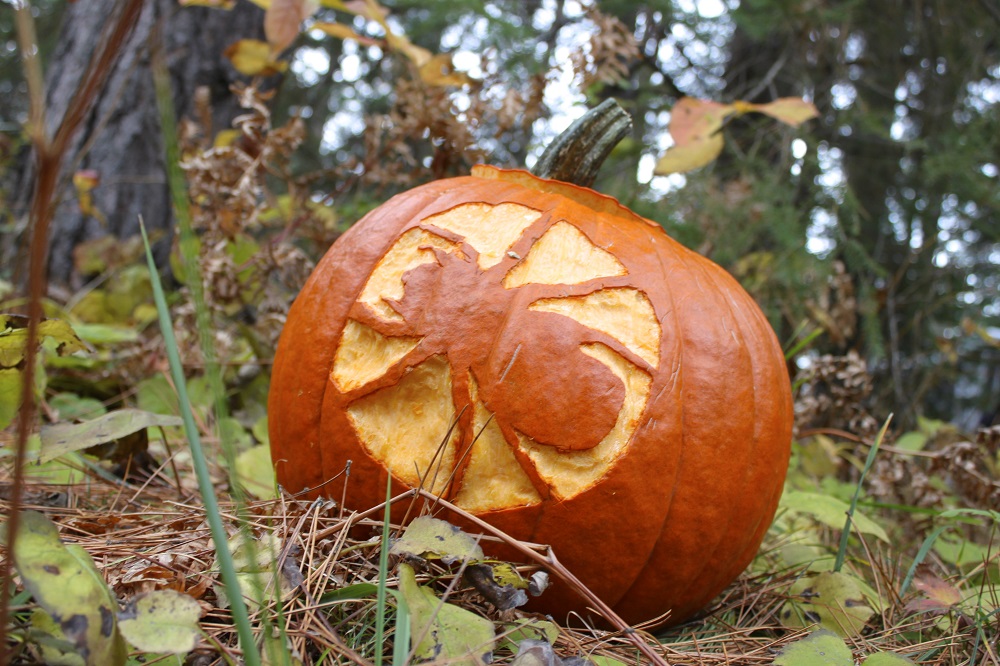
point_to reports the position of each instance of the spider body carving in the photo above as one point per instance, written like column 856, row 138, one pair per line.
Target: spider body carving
column 492, row 337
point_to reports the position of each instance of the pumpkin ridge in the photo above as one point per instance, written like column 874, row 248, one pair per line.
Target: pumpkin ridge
column 723, row 534
column 760, row 526
column 678, row 380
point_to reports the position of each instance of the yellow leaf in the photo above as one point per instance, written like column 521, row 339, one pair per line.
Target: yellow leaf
column 401, row 43
column 341, row 31
column 440, row 71
column 226, row 138
column 790, row 110
column 695, row 125
column 86, row 179
column 218, row 4
column 697, row 153
column 253, row 58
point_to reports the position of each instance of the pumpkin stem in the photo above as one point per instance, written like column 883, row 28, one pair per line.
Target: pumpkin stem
column 576, row 155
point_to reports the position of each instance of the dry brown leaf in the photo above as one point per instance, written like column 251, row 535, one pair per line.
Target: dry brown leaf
column 283, row 19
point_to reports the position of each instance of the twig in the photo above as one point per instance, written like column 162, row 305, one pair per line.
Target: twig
column 550, row 562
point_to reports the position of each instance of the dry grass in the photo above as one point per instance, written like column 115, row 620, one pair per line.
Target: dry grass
column 155, row 535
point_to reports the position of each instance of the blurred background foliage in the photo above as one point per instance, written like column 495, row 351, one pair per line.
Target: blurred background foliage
column 874, row 225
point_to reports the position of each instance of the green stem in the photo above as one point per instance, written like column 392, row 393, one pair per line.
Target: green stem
column 577, row 154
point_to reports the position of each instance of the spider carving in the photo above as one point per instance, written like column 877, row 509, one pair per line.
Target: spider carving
column 532, row 354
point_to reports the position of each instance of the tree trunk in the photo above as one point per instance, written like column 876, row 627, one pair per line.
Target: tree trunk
column 121, row 138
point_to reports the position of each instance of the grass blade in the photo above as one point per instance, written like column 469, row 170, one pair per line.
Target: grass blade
column 921, row 554
column 846, row 534
column 383, row 576
column 219, row 537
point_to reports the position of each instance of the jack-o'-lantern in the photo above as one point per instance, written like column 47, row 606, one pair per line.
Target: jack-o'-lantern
column 549, row 361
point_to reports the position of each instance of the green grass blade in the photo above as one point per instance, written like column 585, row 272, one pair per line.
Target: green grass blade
column 401, row 639
column 803, row 343
column 846, row 534
column 383, row 576
column 921, row 554
column 219, row 536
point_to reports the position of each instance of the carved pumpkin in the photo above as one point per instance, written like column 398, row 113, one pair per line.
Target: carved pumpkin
column 596, row 386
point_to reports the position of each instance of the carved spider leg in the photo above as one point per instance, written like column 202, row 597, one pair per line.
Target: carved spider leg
column 560, row 291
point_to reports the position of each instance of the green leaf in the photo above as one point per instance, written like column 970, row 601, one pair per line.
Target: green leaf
column 14, row 338
column 63, row 438
column 52, row 644
column 433, row 538
column 255, row 473
column 259, row 430
column 356, row 591
column 72, row 407
column 527, row 629
column 254, row 564
column 820, row 648
column 161, row 621
column 599, row 660
column 830, row 511
column 886, row 659
column 106, row 334
column 443, row 631
column 833, row 600
column 65, row 583
column 11, row 388
column 66, row 470
column 911, row 441
column 960, row 552
column 13, row 350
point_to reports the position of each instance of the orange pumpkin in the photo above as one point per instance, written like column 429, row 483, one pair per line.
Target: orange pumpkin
column 613, row 394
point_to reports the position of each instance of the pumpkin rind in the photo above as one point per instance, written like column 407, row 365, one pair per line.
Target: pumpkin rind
column 671, row 514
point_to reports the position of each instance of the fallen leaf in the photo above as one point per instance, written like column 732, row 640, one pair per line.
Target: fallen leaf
column 938, row 595
column 830, row 511
column 504, row 595
column 439, row 630
column 887, row 659
column 161, row 621
column 65, row 582
column 14, row 338
column 62, row 438
column 820, row 648
column 535, row 653
column 833, row 600
column 432, row 538
column 528, row 629
column 255, row 472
